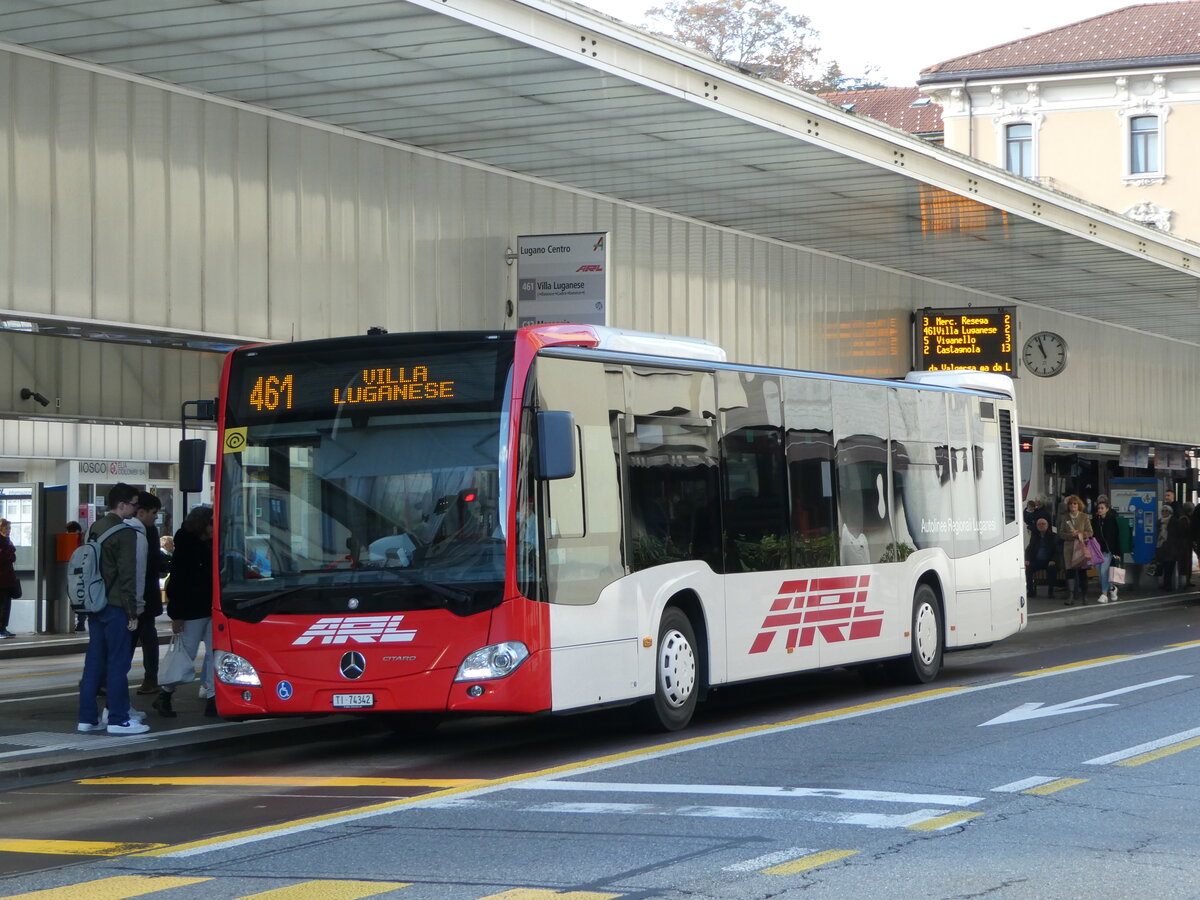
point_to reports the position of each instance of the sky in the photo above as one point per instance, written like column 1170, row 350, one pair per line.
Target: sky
column 903, row 38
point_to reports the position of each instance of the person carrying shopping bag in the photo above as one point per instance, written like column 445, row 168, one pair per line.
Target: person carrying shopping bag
column 189, row 604
column 1074, row 528
column 1108, row 535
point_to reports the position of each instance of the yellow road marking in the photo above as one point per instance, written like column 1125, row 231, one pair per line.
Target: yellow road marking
column 73, row 848
column 40, row 674
column 1183, row 644
column 553, row 770
column 938, row 822
column 1076, row 665
column 286, row 781
column 117, row 888
column 808, row 862
column 1159, row 753
column 329, row 890
column 1053, row 787
column 542, row 894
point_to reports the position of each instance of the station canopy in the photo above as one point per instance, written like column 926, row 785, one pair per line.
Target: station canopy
column 552, row 90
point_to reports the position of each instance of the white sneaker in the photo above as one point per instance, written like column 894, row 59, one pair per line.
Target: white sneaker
column 204, row 694
column 1103, row 598
column 135, row 715
column 133, row 726
column 1112, row 595
column 88, row 727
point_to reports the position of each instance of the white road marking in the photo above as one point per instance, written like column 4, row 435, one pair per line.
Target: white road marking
column 1039, row 710
column 862, row 820
column 649, row 755
column 1017, row 786
column 1142, row 748
column 768, row 859
column 749, row 790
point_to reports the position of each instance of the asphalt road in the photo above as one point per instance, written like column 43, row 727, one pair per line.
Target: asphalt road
column 1060, row 763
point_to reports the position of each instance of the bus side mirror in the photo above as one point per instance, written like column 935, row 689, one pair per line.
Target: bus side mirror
column 555, row 445
column 191, row 466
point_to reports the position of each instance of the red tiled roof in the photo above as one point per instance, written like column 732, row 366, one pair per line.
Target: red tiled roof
column 893, row 106
column 1144, row 32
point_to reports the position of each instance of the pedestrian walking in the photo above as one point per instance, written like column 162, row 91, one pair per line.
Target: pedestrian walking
column 147, row 630
column 1073, row 529
column 189, row 602
column 1108, row 536
column 108, row 652
column 9, row 586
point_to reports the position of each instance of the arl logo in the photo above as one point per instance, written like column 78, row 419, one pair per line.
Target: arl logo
column 360, row 629
column 590, row 268
column 835, row 608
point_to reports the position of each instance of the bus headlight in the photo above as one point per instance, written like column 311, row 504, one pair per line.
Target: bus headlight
column 232, row 669
column 495, row 661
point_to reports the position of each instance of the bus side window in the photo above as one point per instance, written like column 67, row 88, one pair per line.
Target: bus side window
column 809, row 452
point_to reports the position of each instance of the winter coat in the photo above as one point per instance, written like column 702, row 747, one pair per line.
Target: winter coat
column 189, row 589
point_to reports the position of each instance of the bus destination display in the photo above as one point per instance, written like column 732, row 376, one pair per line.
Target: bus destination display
column 329, row 388
column 947, row 340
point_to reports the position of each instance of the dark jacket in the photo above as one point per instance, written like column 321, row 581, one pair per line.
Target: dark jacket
column 189, row 590
column 8, row 556
column 1106, row 532
column 1042, row 547
column 152, row 596
column 118, row 562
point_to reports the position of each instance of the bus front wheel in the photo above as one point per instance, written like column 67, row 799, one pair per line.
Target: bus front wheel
column 676, row 675
column 924, row 660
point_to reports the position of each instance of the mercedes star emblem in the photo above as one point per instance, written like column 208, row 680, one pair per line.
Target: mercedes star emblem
column 353, row 665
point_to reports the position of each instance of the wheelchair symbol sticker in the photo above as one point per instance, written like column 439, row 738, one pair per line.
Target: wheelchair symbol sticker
column 283, row 690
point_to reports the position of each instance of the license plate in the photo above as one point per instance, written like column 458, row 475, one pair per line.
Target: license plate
column 353, row 701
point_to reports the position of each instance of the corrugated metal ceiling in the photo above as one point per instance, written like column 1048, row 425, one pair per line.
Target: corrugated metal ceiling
column 555, row 91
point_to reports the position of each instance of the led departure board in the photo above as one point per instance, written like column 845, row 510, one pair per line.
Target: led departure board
column 324, row 384
column 946, row 340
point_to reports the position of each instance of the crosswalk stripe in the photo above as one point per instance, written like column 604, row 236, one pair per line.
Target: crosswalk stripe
column 1143, row 752
column 543, row 894
column 768, row 859
column 73, row 848
column 119, row 887
column 808, row 862
column 1017, row 787
column 1054, row 787
column 1159, row 753
column 329, row 890
column 283, row 781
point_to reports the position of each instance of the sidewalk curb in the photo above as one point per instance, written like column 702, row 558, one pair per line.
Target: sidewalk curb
column 85, row 764
column 52, row 645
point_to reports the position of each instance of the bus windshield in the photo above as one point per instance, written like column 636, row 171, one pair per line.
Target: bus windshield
column 379, row 505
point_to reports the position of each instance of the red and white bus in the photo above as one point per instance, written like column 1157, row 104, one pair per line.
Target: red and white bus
column 569, row 517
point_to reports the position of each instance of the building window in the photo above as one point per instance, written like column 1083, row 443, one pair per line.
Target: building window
column 1018, row 149
column 1143, row 145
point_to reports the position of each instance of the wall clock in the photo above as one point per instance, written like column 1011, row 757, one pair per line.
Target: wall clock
column 1045, row 354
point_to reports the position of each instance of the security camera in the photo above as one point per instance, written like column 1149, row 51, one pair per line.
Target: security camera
column 27, row 394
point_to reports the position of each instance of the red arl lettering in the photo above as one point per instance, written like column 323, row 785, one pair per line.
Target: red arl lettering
column 835, row 608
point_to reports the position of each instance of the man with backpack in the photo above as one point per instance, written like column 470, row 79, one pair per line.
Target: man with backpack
column 109, row 652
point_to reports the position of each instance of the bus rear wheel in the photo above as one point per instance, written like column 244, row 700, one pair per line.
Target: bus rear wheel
column 924, row 660
column 676, row 675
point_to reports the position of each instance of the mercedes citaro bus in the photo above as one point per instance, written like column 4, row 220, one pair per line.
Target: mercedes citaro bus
column 567, row 517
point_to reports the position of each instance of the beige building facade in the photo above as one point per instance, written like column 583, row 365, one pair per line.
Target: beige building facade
column 1107, row 109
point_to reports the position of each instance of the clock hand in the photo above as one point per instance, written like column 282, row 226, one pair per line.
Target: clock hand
column 1040, row 347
